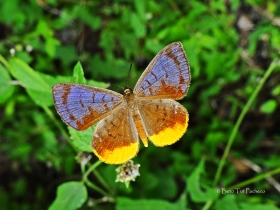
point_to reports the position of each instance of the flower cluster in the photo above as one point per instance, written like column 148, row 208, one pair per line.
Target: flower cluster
column 127, row 172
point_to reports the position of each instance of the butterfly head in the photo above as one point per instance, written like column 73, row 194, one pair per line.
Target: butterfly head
column 129, row 97
column 127, row 92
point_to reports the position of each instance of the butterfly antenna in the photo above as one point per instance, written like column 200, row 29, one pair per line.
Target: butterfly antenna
column 120, row 86
column 104, row 80
column 128, row 75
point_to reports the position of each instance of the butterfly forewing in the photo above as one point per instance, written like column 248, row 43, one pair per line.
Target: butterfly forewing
column 81, row 106
column 167, row 76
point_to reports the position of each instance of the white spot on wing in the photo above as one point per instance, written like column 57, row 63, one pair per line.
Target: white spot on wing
column 175, row 109
column 98, row 137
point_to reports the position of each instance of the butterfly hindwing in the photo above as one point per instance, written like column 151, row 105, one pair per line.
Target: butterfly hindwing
column 81, row 106
column 165, row 120
column 167, row 76
column 115, row 138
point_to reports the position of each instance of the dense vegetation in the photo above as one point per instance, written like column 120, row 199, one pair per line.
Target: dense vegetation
column 228, row 159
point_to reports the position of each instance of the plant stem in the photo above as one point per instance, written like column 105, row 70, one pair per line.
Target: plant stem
column 94, row 187
column 207, row 205
column 240, row 118
column 91, row 168
column 89, row 183
column 4, row 61
column 98, row 176
column 255, row 179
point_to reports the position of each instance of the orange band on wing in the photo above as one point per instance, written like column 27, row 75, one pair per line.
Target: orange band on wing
column 170, row 135
column 118, row 155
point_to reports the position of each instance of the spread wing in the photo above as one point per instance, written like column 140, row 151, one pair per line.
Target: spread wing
column 81, row 106
column 167, row 76
column 165, row 120
column 115, row 138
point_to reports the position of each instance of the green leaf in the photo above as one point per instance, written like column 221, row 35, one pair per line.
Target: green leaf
column 269, row 106
column 194, row 189
column 37, row 88
column 209, row 42
column 276, row 91
column 138, row 25
column 93, row 21
column 70, row 195
column 78, row 74
column 82, row 139
column 140, row 8
column 51, row 42
column 227, row 203
column 128, row 204
column 192, row 46
column 197, row 11
column 6, row 88
column 24, row 56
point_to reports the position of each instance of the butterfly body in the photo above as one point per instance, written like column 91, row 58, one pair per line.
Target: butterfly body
column 148, row 111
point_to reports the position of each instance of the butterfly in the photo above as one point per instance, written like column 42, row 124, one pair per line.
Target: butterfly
column 149, row 111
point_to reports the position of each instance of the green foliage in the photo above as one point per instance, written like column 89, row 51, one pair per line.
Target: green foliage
column 78, row 74
column 6, row 87
column 194, row 183
column 70, row 195
column 37, row 88
column 44, row 43
column 81, row 140
column 269, row 106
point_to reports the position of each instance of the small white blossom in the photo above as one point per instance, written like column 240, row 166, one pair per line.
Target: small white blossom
column 127, row 172
column 83, row 158
column 28, row 48
column 12, row 51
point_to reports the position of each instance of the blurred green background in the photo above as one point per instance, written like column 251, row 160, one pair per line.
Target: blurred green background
column 230, row 46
